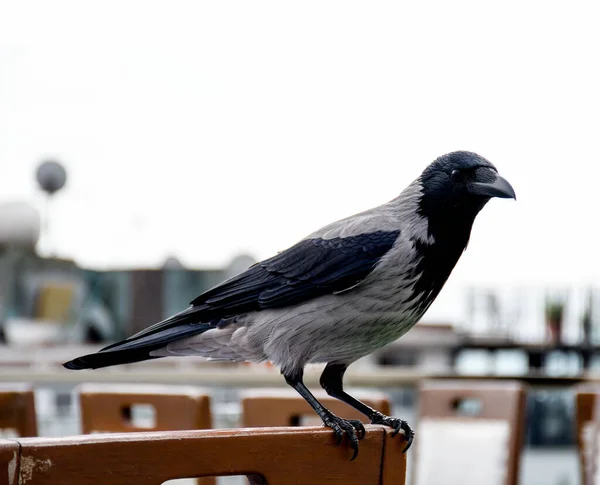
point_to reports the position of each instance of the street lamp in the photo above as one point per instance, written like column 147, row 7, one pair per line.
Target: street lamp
column 51, row 177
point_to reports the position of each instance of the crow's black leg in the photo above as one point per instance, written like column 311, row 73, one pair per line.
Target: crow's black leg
column 332, row 381
column 353, row 428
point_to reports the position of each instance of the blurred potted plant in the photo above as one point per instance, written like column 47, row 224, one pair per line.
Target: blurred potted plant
column 555, row 309
column 586, row 320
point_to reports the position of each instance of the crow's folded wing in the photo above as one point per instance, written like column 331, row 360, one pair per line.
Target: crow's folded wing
column 311, row 268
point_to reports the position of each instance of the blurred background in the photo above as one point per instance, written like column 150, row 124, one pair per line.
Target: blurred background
column 149, row 150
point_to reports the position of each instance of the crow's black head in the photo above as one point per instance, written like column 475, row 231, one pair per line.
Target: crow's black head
column 457, row 186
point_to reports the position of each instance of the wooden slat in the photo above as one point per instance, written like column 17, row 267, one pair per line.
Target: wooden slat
column 283, row 456
column 275, row 407
column 176, row 407
column 17, row 409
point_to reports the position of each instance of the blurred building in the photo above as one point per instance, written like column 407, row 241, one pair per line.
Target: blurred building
column 52, row 300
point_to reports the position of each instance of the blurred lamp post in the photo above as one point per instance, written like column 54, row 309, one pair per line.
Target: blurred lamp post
column 51, row 177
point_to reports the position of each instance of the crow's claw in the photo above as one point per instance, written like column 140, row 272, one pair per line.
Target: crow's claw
column 360, row 428
column 396, row 424
column 353, row 428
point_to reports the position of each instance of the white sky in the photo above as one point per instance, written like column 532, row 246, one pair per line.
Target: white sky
column 205, row 129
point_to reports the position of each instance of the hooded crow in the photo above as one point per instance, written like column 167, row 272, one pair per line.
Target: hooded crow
column 339, row 294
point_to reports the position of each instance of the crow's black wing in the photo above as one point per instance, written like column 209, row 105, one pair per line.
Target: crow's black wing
column 311, row 268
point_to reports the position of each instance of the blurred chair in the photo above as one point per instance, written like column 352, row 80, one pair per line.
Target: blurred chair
column 586, row 419
column 283, row 456
column 115, row 408
column 17, row 409
column 469, row 432
column 284, row 407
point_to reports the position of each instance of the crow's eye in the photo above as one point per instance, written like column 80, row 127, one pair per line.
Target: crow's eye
column 455, row 174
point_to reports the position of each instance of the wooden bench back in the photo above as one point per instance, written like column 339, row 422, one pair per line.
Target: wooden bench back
column 283, row 456
column 283, row 407
column 108, row 408
column 469, row 425
column 17, row 409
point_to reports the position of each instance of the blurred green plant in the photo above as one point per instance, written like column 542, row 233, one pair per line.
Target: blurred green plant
column 554, row 309
column 586, row 318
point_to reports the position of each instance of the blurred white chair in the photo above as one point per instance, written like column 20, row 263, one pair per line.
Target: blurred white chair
column 469, row 433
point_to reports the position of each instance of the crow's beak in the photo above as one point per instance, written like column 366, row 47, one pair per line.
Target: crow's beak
column 499, row 187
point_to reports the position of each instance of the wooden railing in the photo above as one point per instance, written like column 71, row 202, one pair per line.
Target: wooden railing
column 275, row 456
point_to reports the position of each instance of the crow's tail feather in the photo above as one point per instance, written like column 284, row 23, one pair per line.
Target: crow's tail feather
column 106, row 359
column 135, row 349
